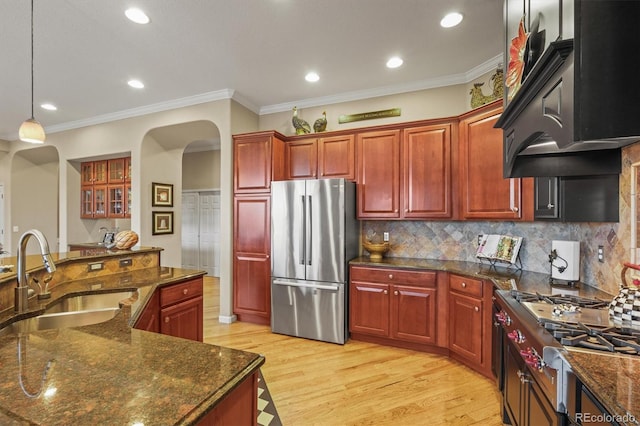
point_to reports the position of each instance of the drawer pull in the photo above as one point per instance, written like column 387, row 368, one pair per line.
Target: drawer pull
column 185, row 291
column 166, row 319
column 390, row 276
column 464, row 285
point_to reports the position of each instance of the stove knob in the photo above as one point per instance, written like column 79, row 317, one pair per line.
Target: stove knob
column 516, row 336
column 503, row 318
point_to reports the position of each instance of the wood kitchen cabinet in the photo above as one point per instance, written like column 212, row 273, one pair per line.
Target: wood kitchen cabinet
column 175, row 310
column 394, row 305
column 93, row 172
column 332, row 157
column 119, row 170
column 258, row 159
column 470, row 322
column 93, row 201
column 252, row 258
column 484, row 193
column 427, row 172
column 301, row 159
column 105, row 190
column 239, row 407
column 149, row 319
column 378, row 174
column 119, row 201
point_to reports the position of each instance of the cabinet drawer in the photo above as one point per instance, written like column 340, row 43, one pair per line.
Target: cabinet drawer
column 179, row 292
column 381, row 275
column 465, row 285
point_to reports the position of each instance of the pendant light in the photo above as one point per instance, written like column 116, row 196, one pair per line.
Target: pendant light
column 31, row 131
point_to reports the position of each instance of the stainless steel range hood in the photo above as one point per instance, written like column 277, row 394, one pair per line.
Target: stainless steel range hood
column 581, row 102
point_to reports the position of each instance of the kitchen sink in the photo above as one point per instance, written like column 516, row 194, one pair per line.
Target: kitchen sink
column 73, row 311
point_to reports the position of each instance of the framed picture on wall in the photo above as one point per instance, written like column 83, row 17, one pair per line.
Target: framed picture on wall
column 162, row 223
column 161, row 194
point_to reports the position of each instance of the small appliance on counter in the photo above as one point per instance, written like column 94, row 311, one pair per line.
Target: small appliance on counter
column 565, row 262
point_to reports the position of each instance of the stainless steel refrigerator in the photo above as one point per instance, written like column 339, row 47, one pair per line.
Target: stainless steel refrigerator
column 314, row 233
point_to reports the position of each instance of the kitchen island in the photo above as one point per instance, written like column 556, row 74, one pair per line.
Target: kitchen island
column 110, row 372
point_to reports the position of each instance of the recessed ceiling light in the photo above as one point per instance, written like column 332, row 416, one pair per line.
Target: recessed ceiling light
column 49, row 107
column 136, row 15
column 394, row 62
column 312, row 77
column 451, row 20
column 137, row 84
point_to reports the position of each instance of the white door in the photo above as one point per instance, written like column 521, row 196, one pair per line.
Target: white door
column 190, row 229
column 209, row 210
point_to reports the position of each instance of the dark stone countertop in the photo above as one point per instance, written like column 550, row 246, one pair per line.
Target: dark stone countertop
column 110, row 373
column 504, row 278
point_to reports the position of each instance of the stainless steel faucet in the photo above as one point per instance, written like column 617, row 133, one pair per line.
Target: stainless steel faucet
column 22, row 287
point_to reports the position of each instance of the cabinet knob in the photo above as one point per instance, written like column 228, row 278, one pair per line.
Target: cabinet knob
column 515, row 209
column 166, row 319
column 550, row 206
column 390, row 276
column 385, row 291
column 395, row 292
column 464, row 285
column 185, row 291
column 476, row 309
column 267, row 256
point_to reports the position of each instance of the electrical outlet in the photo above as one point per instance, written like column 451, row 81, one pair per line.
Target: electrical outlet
column 601, row 254
column 479, row 239
column 385, row 237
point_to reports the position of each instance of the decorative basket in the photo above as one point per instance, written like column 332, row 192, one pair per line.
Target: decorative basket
column 625, row 307
column 376, row 250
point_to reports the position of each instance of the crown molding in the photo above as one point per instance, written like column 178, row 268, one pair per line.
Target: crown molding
column 143, row 110
column 431, row 83
column 454, row 79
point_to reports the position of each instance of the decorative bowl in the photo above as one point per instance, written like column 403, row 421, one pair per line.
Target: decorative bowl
column 376, row 250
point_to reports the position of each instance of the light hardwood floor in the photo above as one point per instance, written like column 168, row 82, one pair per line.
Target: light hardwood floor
column 317, row 383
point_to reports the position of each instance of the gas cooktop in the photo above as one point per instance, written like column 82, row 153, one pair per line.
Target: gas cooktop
column 579, row 322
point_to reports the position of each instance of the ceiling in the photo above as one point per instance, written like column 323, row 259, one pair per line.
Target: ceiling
column 256, row 51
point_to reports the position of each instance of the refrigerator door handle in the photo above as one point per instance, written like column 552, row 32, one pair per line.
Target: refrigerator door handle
column 304, row 230
column 299, row 284
column 309, row 233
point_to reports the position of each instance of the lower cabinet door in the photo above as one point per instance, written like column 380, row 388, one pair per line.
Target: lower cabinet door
column 465, row 327
column 369, row 308
column 183, row 319
column 413, row 314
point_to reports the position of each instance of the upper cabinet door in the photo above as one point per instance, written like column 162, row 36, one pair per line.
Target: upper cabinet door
column 117, row 170
column 379, row 174
column 485, row 194
column 337, row 157
column 426, row 170
column 257, row 160
column 301, row 159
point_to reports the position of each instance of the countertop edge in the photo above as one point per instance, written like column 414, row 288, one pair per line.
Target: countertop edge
column 217, row 397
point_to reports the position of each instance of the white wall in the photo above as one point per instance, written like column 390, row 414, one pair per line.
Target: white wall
column 201, row 170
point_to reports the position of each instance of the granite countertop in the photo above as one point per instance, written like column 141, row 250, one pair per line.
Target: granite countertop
column 504, row 278
column 613, row 379
column 110, row 373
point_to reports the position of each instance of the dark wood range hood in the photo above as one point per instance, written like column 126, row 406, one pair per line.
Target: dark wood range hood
column 581, row 101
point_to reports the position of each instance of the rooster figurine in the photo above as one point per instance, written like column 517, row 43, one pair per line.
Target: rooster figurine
column 301, row 126
column 321, row 123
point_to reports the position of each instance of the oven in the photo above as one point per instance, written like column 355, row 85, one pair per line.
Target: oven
column 529, row 385
column 538, row 385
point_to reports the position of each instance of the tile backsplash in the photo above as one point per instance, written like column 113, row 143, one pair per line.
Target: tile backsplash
column 458, row 240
